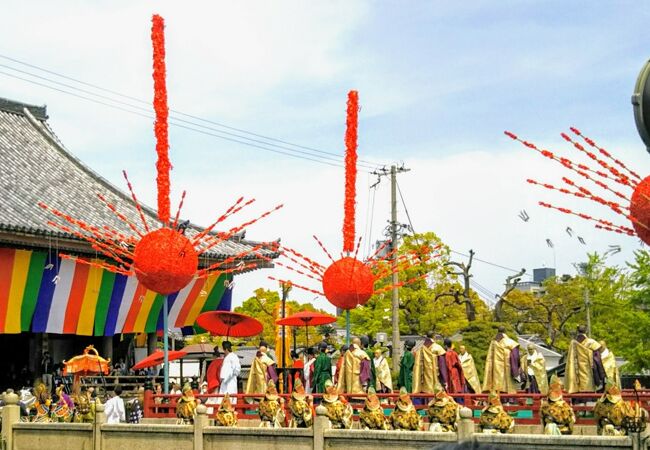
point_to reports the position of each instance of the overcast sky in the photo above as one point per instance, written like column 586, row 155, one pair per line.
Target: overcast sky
column 438, row 82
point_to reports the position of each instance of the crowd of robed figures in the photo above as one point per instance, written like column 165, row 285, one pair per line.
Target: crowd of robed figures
column 431, row 369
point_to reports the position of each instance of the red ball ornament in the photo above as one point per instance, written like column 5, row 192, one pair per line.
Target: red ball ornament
column 348, row 282
column 640, row 210
column 165, row 261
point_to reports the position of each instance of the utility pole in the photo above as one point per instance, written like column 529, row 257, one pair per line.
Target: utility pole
column 588, row 311
column 394, row 239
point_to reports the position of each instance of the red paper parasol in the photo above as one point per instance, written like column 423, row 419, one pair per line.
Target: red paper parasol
column 306, row 319
column 87, row 364
column 226, row 323
column 157, row 357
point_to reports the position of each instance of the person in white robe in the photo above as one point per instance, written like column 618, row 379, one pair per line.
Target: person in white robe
column 229, row 372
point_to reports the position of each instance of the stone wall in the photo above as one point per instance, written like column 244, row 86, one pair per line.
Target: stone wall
column 202, row 436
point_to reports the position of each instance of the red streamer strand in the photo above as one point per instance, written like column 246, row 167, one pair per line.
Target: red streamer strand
column 163, row 164
column 350, row 171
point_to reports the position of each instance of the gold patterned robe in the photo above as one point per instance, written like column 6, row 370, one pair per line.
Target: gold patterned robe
column 271, row 411
column 537, row 364
column 338, row 412
column 611, row 370
column 495, row 419
column 383, row 378
column 426, row 374
column 498, row 376
column 559, row 413
column 610, row 414
column 256, row 383
column 443, row 414
column 349, row 380
column 578, row 376
column 301, row 412
column 469, row 371
column 405, row 417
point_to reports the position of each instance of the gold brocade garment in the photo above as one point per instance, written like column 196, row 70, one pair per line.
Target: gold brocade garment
column 226, row 418
column 443, row 413
column 496, row 419
column 610, row 415
column 383, row 377
column 373, row 419
column 425, row 369
column 301, row 413
column 538, row 366
column 256, row 383
column 185, row 408
column 271, row 413
column 349, row 380
column 339, row 413
column 559, row 413
column 611, row 370
column 578, row 375
column 498, row 376
column 469, row 371
column 85, row 408
column 405, row 418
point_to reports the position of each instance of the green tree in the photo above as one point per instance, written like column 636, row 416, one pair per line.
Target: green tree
column 263, row 306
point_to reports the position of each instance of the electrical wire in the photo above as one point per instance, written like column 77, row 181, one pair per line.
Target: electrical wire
column 172, row 121
column 312, row 150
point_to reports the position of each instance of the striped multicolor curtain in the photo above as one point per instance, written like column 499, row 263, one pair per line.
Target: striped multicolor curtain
column 40, row 292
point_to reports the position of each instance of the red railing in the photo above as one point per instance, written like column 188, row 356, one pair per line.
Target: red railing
column 523, row 406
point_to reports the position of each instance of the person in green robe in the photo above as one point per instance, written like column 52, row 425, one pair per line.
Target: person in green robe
column 322, row 368
column 405, row 378
column 365, row 345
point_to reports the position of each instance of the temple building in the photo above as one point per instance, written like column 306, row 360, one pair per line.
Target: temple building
column 57, row 304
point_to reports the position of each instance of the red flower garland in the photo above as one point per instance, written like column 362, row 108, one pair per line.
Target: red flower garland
column 350, row 171
column 162, row 112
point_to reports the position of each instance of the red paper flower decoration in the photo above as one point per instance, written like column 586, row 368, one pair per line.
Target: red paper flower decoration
column 164, row 260
column 348, row 282
column 640, row 209
column 611, row 172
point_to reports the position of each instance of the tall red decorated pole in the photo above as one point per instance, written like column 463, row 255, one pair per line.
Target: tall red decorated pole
column 162, row 113
column 162, row 180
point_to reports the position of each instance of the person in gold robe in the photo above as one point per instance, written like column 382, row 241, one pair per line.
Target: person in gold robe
column 226, row 414
column 502, row 371
column 355, row 370
column 262, row 370
column 339, row 411
column 405, row 416
column 186, row 406
column 271, row 408
column 612, row 413
column 609, row 364
column 584, row 369
column 300, row 407
column 557, row 415
column 443, row 412
column 494, row 419
column 430, row 368
column 472, row 381
column 372, row 416
column 383, row 378
column 42, row 404
column 533, row 365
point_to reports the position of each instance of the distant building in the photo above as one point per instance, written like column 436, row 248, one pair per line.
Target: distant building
column 539, row 276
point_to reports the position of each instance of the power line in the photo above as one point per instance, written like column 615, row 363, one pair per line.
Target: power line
column 489, row 263
column 172, row 121
column 365, row 163
column 149, row 110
